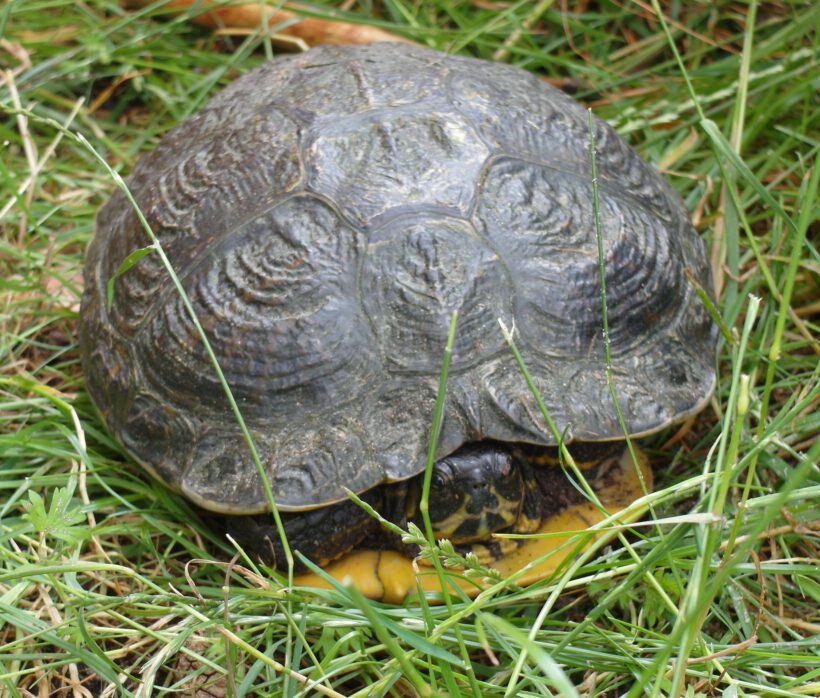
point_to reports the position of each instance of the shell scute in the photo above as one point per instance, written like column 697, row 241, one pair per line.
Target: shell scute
column 158, row 435
column 542, row 124
column 194, row 202
column 322, row 461
column 221, row 474
column 277, row 302
column 415, row 274
column 373, row 165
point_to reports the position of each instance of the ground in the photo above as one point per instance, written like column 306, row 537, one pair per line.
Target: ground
column 110, row 585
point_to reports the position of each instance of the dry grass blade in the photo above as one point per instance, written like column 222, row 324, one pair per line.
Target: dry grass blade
column 286, row 20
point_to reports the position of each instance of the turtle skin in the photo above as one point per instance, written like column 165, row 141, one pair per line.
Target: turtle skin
column 326, row 214
column 482, row 489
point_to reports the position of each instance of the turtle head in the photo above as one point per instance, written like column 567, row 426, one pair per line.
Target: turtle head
column 475, row 492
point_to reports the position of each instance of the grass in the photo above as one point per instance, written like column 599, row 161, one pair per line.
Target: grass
column 109, row 586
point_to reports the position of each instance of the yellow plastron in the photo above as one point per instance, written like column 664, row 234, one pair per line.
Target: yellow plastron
column 391, row 577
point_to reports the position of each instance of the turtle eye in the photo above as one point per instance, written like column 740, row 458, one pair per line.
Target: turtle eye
column 438, row 481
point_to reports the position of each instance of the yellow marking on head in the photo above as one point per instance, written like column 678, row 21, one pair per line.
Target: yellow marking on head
column 542, row 459
column 446, row 528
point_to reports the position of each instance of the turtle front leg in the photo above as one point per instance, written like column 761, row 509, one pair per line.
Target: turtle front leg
column 321, row 535
column 601, row 464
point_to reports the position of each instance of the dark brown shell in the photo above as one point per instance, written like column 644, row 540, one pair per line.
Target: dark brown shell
column 326, row 214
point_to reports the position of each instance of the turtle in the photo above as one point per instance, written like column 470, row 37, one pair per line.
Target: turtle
column 326, row 214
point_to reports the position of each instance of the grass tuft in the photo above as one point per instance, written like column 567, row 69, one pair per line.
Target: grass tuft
column 111, row 586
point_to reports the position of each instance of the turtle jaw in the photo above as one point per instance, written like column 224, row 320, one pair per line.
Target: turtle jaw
column 477, row 519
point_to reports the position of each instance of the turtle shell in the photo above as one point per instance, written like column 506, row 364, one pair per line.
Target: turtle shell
column 326, row 214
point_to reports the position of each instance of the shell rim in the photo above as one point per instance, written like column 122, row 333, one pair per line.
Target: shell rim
column 220, row 508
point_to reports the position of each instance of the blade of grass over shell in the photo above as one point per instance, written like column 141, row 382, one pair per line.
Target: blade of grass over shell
column 157, row 247
column 650, row 577
column 438, row 416
column 128, row 263
column 424, row 503
column 189, row 309
column 599, row 243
